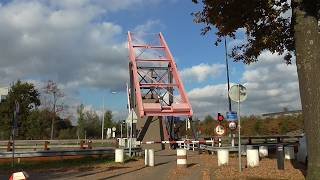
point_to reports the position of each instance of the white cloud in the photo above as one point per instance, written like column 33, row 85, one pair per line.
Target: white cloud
column 271, row 86
column 202, row 72
column 68, row 41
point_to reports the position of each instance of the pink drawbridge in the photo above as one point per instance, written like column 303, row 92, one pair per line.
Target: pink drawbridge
column 158, row 88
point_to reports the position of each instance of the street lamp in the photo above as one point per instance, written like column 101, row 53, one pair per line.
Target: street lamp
column 102, row 124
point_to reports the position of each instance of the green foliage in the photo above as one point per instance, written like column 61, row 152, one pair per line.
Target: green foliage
column 258, row 127
column 33, row 123
column 69, row 133
column 38, row 123
column 108, row 121
column 284, row 128
column 208, row 119
column 88, row 123
column 28, row 98
column 81, row 121
column 93, row 125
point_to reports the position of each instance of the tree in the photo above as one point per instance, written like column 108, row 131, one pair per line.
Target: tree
column 93, row 124
column 28, row 98
column 38, row 124
column 81, row 121
column 268, row 28
column 108, row 121
column 52, row 89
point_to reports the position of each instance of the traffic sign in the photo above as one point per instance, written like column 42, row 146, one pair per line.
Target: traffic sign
column 114, row 129
column 220, row 130
column 132, row 117
column 238, row 93
column 232, row 116
column 232, row 125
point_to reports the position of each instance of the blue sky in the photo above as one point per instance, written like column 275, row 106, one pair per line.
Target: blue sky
column 175, row 21
column 81, row 45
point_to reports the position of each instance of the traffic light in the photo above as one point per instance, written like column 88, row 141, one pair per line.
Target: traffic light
column 220, row 117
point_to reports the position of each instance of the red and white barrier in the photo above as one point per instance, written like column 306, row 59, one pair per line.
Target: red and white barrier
column 179, row 142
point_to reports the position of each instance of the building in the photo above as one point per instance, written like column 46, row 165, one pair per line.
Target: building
column 283, row 113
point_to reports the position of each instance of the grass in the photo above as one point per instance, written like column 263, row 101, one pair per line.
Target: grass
column 63, row 164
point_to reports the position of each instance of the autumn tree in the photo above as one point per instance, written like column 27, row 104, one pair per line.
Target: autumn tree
column 269, row 26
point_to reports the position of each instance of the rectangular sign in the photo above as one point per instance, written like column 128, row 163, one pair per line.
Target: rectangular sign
column 231, row 116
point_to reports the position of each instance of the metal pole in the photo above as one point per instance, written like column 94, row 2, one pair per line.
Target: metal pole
column 13, row 146
column 239, row 129
column 102, row 124
column 131, row 129
column 227, row 66
column 121, row 130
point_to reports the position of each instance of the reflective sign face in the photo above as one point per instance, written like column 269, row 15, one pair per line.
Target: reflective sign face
column 232, row 125
column 232, row 116
column 220, row 130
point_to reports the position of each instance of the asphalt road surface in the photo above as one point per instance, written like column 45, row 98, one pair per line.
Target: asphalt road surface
column 165, row 168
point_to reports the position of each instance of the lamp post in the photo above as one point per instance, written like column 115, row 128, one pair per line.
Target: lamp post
column 103, row 113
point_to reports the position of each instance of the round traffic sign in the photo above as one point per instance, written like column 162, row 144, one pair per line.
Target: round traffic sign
column 220, row 130
column 232, row 125
column 238, row 93
column 114, row 129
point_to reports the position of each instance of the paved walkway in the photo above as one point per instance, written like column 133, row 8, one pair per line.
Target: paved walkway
column 165, row 168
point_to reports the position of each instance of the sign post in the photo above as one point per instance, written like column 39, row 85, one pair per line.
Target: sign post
column 132, row 118
column 238, row 93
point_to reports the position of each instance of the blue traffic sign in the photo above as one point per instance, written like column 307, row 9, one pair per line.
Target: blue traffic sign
column 231, row 116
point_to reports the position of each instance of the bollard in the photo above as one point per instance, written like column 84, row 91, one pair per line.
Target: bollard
column 146, row 159
column 119, row 156
column 151, row 157
column 252, row 157
column 289, row 152
column 263, row 151
column 182, row 158
column 46, row 144
column 223, row 157
column 280, row 158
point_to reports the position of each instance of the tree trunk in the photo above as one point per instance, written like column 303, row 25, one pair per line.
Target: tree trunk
column 307, row 43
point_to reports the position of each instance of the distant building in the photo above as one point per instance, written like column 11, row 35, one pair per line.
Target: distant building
column 283, row 113
column 3, row 93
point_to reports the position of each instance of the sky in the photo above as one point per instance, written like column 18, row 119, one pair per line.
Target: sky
column 82, row 46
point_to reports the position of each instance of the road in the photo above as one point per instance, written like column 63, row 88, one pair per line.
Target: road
column 165, row 168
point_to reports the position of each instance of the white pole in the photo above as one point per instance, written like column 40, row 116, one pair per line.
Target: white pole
column 239, row 129
column 151, row 157
column 102, row 124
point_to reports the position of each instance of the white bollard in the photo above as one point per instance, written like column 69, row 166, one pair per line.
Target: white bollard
column 289, row 152
column 151, row 157
column 119, row 155
column 223, row 157
column 181, row 158
column 252, row 157
column 263, row 151
column 146, row 158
